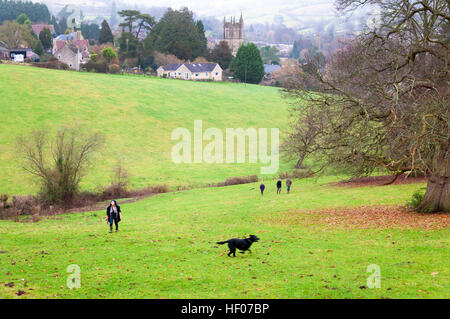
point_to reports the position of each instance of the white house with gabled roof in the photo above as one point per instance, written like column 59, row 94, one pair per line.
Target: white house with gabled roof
column 191, row 71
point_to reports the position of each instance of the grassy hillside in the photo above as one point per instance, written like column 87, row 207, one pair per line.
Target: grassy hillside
column 166, row 248
column 136, row 115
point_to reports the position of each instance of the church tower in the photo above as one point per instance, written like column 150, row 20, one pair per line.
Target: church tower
column 233, row 33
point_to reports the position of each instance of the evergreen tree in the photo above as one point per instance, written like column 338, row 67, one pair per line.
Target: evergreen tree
column 106, row 35
column 295, row 53
column 46, row 38
column 90, row 31
column 177, row 33
column 38, row 48
column 36, row 12
column 248, row 65
column 202, row 38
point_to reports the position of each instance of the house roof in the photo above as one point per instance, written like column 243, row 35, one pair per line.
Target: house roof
column 65, row 37
column 74, row 48
column 172, row 66
column 80, row 44
column 193, row 67
column 71, row 47
column 201, row 67
column 37, row 28
column 21, row 50
column 269, row 68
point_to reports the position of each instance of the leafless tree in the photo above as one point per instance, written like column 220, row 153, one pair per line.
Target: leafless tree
column 60, row 162
column 384, row 99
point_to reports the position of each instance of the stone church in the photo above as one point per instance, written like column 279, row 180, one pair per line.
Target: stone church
column 233, row 33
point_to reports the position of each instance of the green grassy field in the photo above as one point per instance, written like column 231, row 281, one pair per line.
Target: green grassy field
column 166, row 245
column 166, row 248
column 136, row 116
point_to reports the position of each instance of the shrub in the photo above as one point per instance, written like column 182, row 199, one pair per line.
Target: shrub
column 239, row 180
column 297, row 173
column 119, row 184
column 284, row 175
column 99, row 67
column 159, row 189
column 51, row 64
column 114, row 68
column 3, row 199
column 25, row 205
column 417, row 198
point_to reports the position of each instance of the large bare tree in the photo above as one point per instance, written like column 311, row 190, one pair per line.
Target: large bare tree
column 384, row 100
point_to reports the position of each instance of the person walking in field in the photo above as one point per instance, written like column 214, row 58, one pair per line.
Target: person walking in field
column 114, row 215
column 262, row 187
column 279, row 186
column 288, row 185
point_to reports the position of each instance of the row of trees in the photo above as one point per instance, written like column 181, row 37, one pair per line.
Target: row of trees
column 142, row 40
column 178, row 36
column 18, row 33
column 35, row 11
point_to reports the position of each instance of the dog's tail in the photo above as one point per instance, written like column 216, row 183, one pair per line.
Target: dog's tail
column 222, row 242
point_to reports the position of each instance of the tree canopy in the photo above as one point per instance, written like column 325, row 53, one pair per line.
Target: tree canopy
column 35, row 11
column 46, row 38
column 179, row 34
column 270, row 54
column 105, row 34
column 90, row 31
column 384, row 99
column 221, row 54
column 16, row 35
column 248, row 65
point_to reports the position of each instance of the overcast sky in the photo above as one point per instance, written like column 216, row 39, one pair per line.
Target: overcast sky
column 251, row 9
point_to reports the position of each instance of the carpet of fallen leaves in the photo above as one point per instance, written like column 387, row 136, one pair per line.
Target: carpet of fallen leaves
column 379, row 180
column 364, row 217
column 383, row 217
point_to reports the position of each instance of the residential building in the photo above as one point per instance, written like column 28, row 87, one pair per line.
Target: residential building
column 75, row 38
column 191, row 71
column 70, row 55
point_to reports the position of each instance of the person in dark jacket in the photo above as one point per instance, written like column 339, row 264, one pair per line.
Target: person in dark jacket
column 114, row 215
column 262, row 187
column 279, row 186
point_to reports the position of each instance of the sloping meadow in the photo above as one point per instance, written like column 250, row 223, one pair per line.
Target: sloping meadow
column 136, row 116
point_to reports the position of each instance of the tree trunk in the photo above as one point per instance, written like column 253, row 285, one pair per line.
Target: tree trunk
column 300, row 161
column 437, row 196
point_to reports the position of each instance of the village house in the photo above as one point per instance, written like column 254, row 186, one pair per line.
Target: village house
column 71, row 49
column 75, row 38
column 191, row 71
column 70, row 55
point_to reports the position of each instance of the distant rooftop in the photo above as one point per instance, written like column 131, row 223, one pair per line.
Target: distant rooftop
column 193, row 67
column 270, row 68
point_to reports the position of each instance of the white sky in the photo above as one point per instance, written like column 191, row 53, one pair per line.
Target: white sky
column 248, row 7
column 257, row 10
